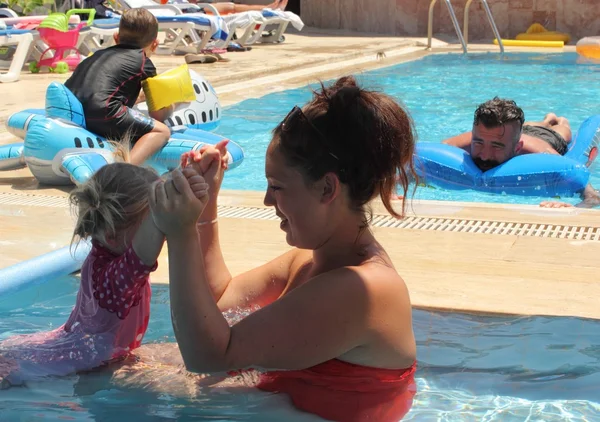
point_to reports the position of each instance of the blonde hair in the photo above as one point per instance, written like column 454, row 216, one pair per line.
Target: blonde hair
column 114, row 199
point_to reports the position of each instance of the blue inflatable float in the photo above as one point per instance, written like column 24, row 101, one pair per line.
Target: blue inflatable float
column 59, row 150
column 450, row 167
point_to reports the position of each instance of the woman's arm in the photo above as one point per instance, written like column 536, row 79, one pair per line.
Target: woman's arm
column 322, row 319
column 259, row 286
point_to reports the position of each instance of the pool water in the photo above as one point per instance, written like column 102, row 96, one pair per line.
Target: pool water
column 471, row 368
column 441, row 92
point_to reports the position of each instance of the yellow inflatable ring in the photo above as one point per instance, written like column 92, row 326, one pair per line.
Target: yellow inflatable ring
column 537, row 32
column 170, row 87
column 589, row 47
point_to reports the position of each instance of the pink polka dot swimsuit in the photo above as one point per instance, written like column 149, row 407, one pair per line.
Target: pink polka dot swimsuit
column 109, row 319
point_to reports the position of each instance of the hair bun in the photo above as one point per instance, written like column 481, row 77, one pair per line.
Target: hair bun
column 344, row 82
column 342, row 95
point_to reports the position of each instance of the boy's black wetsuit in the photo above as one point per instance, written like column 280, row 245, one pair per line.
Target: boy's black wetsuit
column 108, row 84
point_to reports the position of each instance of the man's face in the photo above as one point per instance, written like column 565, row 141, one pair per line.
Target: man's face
column 491, row 147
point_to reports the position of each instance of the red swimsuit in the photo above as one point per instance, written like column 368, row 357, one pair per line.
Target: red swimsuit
column 346, row 392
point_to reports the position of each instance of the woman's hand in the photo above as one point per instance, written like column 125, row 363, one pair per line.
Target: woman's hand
column 176, row 203
column 197, row 183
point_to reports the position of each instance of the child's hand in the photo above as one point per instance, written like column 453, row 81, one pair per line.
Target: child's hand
column 197, row 183
column 199, row 159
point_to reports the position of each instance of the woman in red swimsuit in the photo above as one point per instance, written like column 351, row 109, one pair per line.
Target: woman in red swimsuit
column 334, row 328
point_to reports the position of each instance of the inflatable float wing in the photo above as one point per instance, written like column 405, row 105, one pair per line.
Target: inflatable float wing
column 18, row 123
column 11, row 156
column 49, row 142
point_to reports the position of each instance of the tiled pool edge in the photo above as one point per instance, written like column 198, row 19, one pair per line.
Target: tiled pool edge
column 436, row 223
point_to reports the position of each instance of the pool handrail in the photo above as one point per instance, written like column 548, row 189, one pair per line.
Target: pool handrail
column 488, row 12
column 454, row 22
column 463, row 36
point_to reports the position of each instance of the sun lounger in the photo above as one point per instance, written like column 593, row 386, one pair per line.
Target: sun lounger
column 23, row 39
column 253, row 23
column 187, row 27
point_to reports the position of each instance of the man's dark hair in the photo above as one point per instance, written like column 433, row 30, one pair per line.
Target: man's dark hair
column 497, row 112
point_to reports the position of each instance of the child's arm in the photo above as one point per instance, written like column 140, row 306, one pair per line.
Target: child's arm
column 148, row 241
column 162, row 114
column 141, row 97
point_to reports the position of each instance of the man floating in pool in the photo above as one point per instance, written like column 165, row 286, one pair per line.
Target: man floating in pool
column 501, row 133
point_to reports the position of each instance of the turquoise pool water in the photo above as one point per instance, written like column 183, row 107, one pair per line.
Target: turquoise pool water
column 441, row 91
column 471, row 368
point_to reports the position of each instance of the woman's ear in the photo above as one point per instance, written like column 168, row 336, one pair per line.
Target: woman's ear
column 330, row 187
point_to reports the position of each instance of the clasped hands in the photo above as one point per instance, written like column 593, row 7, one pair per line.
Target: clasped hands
column 177, row 201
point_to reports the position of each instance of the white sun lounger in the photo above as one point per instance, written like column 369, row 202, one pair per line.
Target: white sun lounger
column 186, row 26
column 97, row 36
column 8, row 13
column 253, row 23
column 23, row 39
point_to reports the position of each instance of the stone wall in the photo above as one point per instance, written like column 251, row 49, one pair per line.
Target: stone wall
column 579, row 18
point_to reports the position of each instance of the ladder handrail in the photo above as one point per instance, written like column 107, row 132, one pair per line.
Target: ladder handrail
column 488, row 12
column 454, row 22
column 463, row 39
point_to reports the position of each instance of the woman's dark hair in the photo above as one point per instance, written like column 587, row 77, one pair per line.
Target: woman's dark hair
column 365, row 137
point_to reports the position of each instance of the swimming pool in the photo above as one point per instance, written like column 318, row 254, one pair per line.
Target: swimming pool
column 441, row 91
column 471, row 368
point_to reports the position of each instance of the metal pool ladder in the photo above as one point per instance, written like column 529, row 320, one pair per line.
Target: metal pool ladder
column 463, row 39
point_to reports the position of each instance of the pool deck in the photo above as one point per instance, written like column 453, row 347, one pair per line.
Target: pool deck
column 458, row 256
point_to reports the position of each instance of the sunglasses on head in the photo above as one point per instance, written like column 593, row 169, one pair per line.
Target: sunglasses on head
column 297, row 114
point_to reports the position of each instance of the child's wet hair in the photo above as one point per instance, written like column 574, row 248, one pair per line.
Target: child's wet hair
column 365, row 137
column 113, row 199
column 138, row 27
